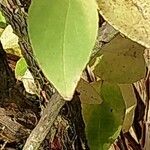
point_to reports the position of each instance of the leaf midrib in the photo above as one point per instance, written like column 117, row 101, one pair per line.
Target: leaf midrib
column 63, row 47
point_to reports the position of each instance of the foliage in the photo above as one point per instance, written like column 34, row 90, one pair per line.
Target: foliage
column 92, row 97
column 10, row 41
column 63, row 33
column 131, row 17
column 2, row 21
column 64, row 39
column 119, row 61
column 21, row 68
column 104, row 122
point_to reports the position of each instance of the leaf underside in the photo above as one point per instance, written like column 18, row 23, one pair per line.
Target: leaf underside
column 63, row 34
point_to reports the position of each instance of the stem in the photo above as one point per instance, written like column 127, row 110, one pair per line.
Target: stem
column 46, row 121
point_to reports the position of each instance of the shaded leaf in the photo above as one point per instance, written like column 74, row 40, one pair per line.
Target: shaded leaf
column 89, row 93
column 105, row 34
column 2, row 21
column 103, row 122
column 120, row 61
column 65, row 35
column 130, row 102
column 131, row 17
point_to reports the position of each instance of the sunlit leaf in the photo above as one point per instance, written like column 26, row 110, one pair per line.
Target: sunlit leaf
column 120, row 61
column 23, row 74
column 21, row 68
column 63, row 34
column 29, row 83
column 131, row 17
column 10, row 41
column 103, row 122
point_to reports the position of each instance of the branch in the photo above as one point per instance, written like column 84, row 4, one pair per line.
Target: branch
column 46, row 121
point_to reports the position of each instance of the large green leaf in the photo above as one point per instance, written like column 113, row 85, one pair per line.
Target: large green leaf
column 131, row 17
column 63, row 33
column 120, row 61
column 103, row 122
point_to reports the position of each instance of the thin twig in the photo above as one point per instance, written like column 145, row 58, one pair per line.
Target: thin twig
column 3, row 146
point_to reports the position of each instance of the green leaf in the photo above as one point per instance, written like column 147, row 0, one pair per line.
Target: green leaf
column 63, row 34
column 103, row 122
column 89, row 93
column 130, row 17
column 21, row 68
column 119, row 61
column 130, row 102
column 2, row 21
